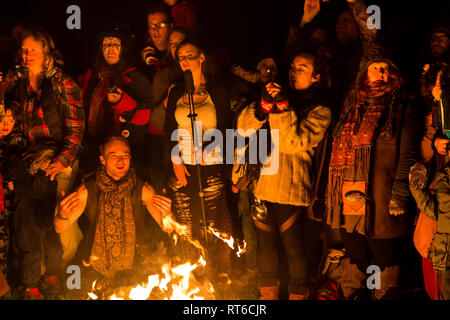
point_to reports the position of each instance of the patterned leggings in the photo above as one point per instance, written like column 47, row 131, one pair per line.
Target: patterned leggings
column 187, row 206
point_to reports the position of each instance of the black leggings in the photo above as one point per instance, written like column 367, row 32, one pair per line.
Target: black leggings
column 364, row 251
column 293, row 246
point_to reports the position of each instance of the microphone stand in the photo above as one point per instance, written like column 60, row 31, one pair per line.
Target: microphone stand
column 189, row 81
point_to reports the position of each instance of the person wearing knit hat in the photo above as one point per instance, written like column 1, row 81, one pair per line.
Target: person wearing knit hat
column 439, row 42
column 117, row 97
column 374, row 146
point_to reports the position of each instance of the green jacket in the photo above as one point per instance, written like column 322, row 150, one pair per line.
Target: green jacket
column 437, row 207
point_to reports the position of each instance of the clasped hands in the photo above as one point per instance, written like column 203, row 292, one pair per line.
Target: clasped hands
column 273, row 89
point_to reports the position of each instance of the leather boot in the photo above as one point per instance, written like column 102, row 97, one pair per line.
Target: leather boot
column 352, row 279
column 389, row 281
column 268, row 293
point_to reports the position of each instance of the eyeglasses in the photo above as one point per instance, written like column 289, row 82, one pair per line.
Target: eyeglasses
column 158, row 26
column 190, row 58
column 114, row 157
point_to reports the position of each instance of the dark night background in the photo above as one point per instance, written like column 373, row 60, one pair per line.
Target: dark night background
column 251, row 29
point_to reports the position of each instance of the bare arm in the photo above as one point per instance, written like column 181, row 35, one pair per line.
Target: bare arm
column 70, row 209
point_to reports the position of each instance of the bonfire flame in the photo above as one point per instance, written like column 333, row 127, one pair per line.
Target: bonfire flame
column 230, row 241
column 177, row 281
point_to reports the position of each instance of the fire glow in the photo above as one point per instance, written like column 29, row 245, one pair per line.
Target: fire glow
column 176, row 283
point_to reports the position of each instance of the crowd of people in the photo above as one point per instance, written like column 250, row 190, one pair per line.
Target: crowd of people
column 90, row 166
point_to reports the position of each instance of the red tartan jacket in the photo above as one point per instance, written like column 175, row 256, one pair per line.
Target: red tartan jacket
column 64, row 123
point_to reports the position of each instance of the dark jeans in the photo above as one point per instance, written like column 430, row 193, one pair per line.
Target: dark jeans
column 364, row 251
column 36, row 244
column 291, row 239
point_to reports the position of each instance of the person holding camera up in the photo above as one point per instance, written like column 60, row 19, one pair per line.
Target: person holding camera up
column 117, row 98
column 301, row 117
column 155, row 57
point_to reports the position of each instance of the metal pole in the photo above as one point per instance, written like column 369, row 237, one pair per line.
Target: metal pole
column 192, row 115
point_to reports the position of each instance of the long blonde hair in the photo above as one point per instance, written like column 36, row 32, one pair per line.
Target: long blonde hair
column 52, row 57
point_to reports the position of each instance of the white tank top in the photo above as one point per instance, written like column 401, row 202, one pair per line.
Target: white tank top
column 205, row 120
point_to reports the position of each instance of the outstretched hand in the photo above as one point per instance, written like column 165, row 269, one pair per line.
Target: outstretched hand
column 69, row 204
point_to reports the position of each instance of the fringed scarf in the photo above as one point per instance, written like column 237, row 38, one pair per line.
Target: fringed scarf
column 115, row 234
column 352, row 145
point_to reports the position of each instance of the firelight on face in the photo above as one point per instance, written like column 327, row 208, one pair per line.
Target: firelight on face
column 378, row 72
column 7, row 123
column 32, row 53
column 116, row 159
column 111, row 48
column 190, row 58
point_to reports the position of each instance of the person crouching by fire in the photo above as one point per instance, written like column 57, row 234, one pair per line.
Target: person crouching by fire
column 116, row 204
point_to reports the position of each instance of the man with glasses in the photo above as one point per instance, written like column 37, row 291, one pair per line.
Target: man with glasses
column 154, row 55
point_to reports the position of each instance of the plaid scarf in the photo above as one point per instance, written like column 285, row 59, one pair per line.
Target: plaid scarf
column 115, row 233
column 352, row 145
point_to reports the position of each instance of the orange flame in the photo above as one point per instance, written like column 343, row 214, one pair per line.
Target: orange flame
column 229, row 240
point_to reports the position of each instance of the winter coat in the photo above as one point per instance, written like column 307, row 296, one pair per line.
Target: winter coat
column 291, row 183
column 437, row 207
column 135, row 103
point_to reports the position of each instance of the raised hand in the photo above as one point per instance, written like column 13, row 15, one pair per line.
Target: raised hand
column 311, row 9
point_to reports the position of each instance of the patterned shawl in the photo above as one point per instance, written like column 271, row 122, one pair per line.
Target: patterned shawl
column 115, row 234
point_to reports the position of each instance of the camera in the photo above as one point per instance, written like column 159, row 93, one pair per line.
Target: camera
column 268, row 73
column 113, row 90
column 151, row 57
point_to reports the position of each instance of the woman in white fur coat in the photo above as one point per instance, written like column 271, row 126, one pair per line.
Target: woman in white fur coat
column 301, row 118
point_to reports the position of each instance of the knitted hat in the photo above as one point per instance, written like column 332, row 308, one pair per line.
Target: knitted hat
column 117, row 30
column 441, row 27
column 374, row 52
